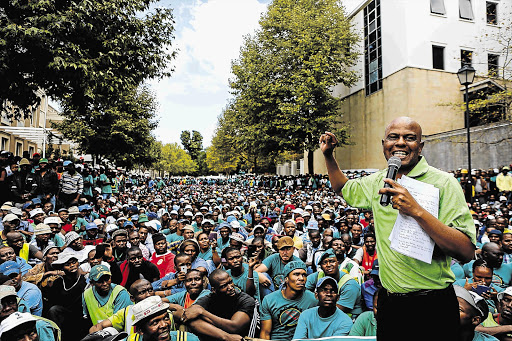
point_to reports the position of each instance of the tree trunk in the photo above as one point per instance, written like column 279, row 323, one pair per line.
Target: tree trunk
column 310, row 162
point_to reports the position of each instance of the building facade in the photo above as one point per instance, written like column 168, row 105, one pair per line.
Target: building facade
column 410, row 54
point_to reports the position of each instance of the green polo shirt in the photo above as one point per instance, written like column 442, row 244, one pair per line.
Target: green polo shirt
column 400, row 273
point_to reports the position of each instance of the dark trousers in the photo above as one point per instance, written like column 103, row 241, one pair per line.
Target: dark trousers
column 428, row 315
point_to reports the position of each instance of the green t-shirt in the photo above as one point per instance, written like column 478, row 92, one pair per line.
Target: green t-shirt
column 240, row 282
column 276, row 268
column 400, row 273
column 285, row 313
column 179, row 297
column 365, row 325
column 105, row 187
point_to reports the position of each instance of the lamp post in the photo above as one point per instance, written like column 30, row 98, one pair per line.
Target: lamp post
column 466, row 76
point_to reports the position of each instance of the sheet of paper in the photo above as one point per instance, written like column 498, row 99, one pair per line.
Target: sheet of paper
column 407, row 236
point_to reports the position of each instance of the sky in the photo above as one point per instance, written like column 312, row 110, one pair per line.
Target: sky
column 208, row 36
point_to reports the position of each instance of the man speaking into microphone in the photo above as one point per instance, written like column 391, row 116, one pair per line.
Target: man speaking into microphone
column 419, row 301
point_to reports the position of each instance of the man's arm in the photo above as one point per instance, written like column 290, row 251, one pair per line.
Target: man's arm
column 451, row 241
column 495, row 331
column 338, row 179
column 266, row 328
column 238, row 321
column 204, row 328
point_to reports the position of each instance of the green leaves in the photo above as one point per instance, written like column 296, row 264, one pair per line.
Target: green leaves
column 283, row 78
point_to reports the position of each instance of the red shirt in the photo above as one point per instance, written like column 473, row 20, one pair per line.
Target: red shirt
column 164, row 263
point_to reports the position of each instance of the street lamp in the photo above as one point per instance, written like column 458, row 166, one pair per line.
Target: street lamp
column 466, row 76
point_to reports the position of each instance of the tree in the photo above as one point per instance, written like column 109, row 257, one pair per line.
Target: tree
column 192, row 142
column 120, row 132
column 175, row 160
column 285, row 73
column 80, row 51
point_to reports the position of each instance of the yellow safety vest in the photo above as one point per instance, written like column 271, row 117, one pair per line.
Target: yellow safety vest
column 99, row 313
column 182, row 336
column 24, row 252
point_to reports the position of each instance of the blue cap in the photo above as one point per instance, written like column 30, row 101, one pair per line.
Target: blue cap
column 375, row 268
column 135, row 217
column 127, row 223
column 91, row 226
column 9, row 267
column 152, row 215
column 230, row 219
column 327, row 279
column 312, row 225
column 67, row 163
column 36, row 201
column 27, row 205
column 498, row 232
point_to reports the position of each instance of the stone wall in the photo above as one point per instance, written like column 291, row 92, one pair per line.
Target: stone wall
column 491, row 147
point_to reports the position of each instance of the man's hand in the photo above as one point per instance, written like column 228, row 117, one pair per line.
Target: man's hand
column 252, row 262
column 402, row 200
column 191, row 313
column 213, row 243
column 264, row 280
column 328, row 142
column 470, row 286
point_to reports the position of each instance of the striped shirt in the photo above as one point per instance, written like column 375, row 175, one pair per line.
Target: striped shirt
column 70, row 184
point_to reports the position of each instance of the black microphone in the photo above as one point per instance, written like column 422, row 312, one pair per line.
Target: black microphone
column 394, row 164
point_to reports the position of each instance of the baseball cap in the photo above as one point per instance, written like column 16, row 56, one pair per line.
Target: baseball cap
column 312, row 225
column 91, row 226
column 299, row 220
column 237, row 236
column 284, row 241
column 9, row 267
column 52, row 220
column 507, row 291
column 6, row 291
column 35, row 212
column 143, row 218
column 98, row 271
column 14, row 320
column 64, row 257
column 325, row 280
column 36, row 201
column 468, row 297
column 293, row 265
column 107, row 334
column 98, row 222
column 329, row 253
column 67, row 163
column 147, row 307
column 27, row 205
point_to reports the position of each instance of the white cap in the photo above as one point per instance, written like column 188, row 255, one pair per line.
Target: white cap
column 111, row 228
column 42, row 229
column 35, row 212
column 188, row 214
column 52, row 220
column 14, row 320
column 148, row 307
column 235, row 224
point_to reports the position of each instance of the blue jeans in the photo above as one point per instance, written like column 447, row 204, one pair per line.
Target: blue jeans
column 264, row 291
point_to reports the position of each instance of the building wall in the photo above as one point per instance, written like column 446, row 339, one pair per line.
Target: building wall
column 425, row 95
column 491, row 147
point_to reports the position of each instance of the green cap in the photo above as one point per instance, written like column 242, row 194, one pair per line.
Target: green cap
column 99, row 271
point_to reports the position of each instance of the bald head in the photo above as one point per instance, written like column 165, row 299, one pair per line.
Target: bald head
column 491, row 247
column 404, row 120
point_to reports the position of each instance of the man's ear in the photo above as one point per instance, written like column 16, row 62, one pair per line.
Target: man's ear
column 132, row 298
column 475, row 321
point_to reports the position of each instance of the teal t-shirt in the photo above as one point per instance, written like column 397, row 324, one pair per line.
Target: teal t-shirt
column 105, row 188
column 365, row 325
column 173, row 237
column 179, row 297
column 483, row 337
column 58, row 241
column 350, row 293
column 208, row 255
column 285, row 313
column 458, row 271
column 80, row 222
column 221, row 245
column 240, row 282
column 312, row 326
column 88, row 183
column 276, row 268
column 400, row 273
column 501, row 276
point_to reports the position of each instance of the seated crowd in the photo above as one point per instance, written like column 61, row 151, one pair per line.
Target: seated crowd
column 160, row 259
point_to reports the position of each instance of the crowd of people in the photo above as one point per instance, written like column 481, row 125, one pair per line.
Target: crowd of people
column 94, row 253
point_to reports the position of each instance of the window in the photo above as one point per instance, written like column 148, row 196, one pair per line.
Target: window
column 438, row 57
column 437, row 7
column 31, row 151
column 5, row 143
column 492, row 64
column 465, row 9
column 492, row 13
column 372, row 48
column 19, row 148
column 465, row 57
